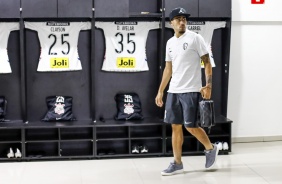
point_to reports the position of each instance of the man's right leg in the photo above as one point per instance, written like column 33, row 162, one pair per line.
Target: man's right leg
column 177, row 142
column 174, row 115
column 175, row 167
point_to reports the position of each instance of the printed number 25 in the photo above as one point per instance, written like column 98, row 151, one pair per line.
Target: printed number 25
column 63, row 42
column 128, row 41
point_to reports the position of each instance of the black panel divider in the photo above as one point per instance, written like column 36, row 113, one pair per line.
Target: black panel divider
column 161, row 64
column 96, row 134
column 129, row 140
column 92, row 65
column 23, row 149
column 95, row 139
column 59, row 144
column 23, row 71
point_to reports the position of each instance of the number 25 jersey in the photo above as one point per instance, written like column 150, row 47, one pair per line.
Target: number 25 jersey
column 125, row 45
column 58, row 42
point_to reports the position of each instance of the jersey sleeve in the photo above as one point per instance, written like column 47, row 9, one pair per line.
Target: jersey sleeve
column 14, row 26
column 104, row 25
column 217, row 25
column 167, row 25
column 99, row 25
column 153, row 25
column 200, row 45
column 32, row 25
column 85, row 25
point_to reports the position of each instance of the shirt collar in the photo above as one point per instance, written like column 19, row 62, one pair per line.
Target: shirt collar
column 181, row 35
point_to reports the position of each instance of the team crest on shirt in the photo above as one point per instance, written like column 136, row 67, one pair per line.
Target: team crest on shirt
column 185, row 46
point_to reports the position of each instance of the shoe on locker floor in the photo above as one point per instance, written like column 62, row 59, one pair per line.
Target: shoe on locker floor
column 135, row 149
column 219, row 145
column 18, row 153
column 10, row 153
column 144, row 149
column 225, row 146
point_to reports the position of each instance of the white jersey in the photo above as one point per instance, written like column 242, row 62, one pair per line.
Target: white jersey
column 205, row 29
column 184, row 53
column 5, row 29
column 58, row 42
column 125, row 45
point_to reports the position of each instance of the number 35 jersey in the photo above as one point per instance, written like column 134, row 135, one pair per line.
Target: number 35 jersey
column 5, row 29
column 125, row 45
column 58, row 42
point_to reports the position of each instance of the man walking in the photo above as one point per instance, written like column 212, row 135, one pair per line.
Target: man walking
column 184, row 52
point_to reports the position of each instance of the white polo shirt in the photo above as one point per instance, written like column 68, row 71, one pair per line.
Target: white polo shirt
column 205, row 29
column 185, row 53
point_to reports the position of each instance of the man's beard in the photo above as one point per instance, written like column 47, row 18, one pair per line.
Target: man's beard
column 182, row 32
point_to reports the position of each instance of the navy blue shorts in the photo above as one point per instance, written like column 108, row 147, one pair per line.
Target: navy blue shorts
column 183, row 108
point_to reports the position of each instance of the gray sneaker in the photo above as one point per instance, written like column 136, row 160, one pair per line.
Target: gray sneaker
column 172, row 169
column 211, row 157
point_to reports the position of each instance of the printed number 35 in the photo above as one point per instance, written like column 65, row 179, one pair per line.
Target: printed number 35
column 128, row 42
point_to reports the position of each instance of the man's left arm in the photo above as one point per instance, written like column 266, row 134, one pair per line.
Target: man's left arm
column 206, row 90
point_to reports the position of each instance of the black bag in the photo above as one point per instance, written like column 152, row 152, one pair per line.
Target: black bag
column 207, row 115
column 59, row 109
column 3, row 108
column 128, row 106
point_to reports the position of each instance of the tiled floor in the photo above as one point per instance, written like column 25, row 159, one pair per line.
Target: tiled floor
column 249, row 163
